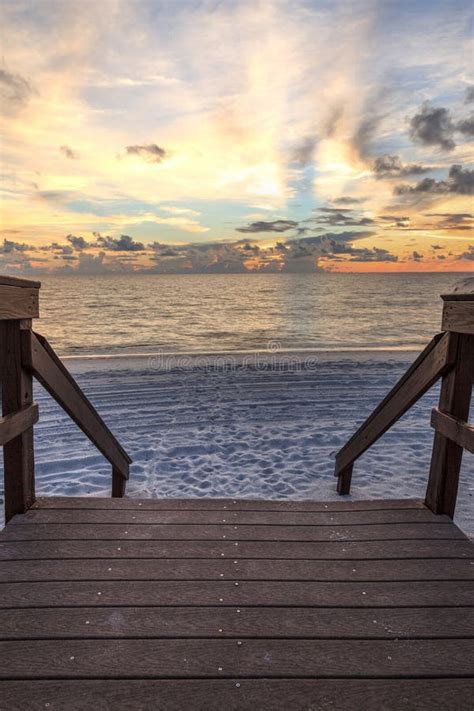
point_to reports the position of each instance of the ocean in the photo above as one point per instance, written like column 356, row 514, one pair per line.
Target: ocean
column 133, row 314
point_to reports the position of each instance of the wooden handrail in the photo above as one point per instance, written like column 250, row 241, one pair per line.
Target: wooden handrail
column 430, row 365
column 454, row 429
column 39, row 357
column 24, row 354
column 449, row 356
column 14, row 425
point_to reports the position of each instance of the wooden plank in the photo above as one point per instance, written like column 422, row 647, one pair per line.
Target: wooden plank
column 224, row 658
column 454, row 429
column 18, row 303
column 202, row 569
column 333, row 550
column 252, row 518
column 269, row 594
column 226, row 622
column 458, row 316
column 183, row 532
column 424, row 372
column 17, row 392
column 55, row 378
column 19, row 282
column 210, row 504
column 244, row 695
column 455, row 398
column 13, row 425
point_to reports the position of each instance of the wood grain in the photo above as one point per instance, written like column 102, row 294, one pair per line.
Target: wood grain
column 226, row 622
column 265, row 594
column 242, row 695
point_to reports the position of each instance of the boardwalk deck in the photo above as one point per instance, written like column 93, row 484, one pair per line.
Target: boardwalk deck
column 231, row 604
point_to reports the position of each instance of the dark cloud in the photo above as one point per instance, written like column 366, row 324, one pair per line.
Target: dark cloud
column 150, row 152
column 124, row 243
column 469, row 254
column 78, row 243
column 390, row 166
column 340, row 217
column 9, row 246
column 433, row 127
column 416, row 257
column 364, row 134
column 68, row 152
column 273, row 226
column 453, row 220
column 396, row 220
column 466, row 126
column 460, row 181
column 344, row 200
column 58, row 249
column 14, row 92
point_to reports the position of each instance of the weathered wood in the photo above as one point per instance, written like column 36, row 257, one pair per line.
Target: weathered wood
column 119, row 481
column 244, row 695
column 236, row 570
column 224, row 658
column 18, row 303
column 18, row 282
column 454, row 429
column 17, row 393
column 13, row 425
column 294, row 550
column 52, row 374
column 197, row 532
column 427, row 368
column 455, row 398
column 225, row 622
column 253, row 518
column 458, row 316
column 140, row 593
column 211, row 504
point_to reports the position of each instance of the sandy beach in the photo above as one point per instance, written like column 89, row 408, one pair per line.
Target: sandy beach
column 244, row 425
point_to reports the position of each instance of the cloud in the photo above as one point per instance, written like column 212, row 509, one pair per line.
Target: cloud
column 433, row 127
column 9, row 246
column 68, row 152
column 78, row 243
column 390, row 166
column 14, row 92
column 303, row 152
column 466, row 126
column 469, row 254
column 469, row 97
column 124, row 243
column 396, row 220
column 150, row 152
column 460, row 181
column 342, row 217
column 453, row 220
column 273, row 226
column 345, row 200
column 416, row 256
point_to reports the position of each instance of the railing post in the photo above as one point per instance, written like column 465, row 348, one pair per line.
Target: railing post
column 455, row 398
column 18, row 304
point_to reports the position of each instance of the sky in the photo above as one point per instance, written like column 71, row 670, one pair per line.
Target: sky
column 232, row 136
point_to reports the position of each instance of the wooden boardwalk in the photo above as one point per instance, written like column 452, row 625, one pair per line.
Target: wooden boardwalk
column 234, row 604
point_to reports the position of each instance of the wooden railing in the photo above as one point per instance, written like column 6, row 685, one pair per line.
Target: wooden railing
column 25, row 354
column 449, row 356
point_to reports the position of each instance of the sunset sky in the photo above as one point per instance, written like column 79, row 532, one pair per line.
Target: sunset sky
column 236, row 135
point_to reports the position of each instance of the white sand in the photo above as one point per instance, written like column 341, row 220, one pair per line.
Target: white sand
column 229, row 429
